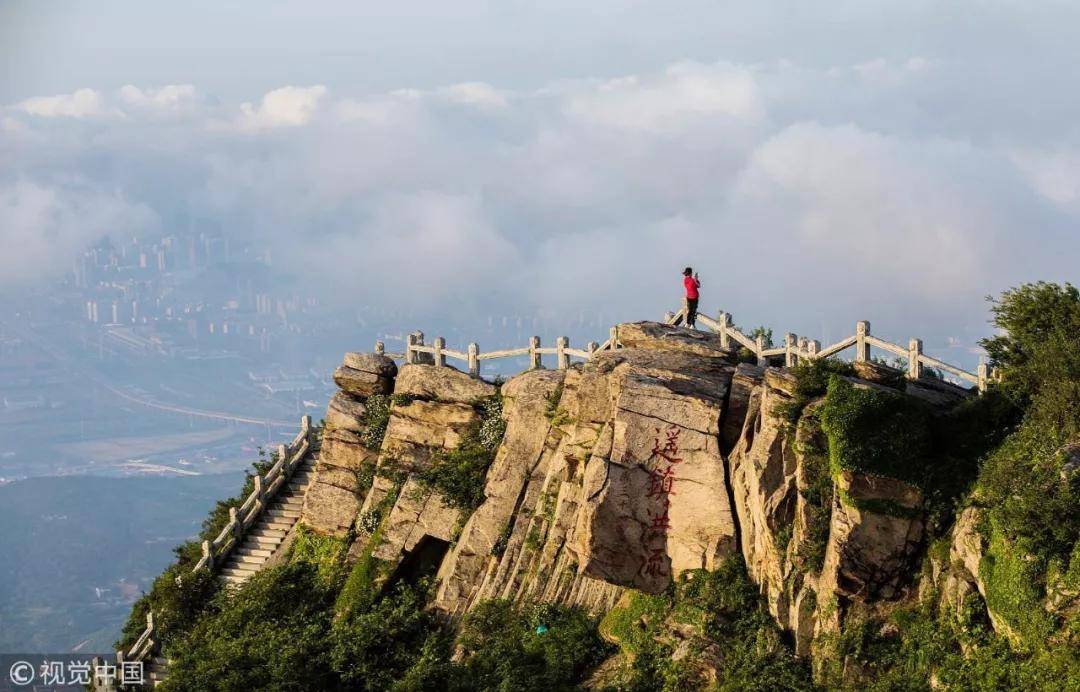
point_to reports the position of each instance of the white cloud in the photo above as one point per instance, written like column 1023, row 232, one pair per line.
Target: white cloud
column 171, row 97
column 288, row 106
column 1054, row 174
column 476, row 94
column 666, row 102
column 83, row 103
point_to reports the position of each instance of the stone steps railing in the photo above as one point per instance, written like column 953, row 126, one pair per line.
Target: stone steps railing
column 266, row 486
column 416, row 351
column 241, row 519
column 798, row 348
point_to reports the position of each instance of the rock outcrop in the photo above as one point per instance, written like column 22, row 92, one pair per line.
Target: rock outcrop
column 623, row 472
column 331, row 503
column 432, row 411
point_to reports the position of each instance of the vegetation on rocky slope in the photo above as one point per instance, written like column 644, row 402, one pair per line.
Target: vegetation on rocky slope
column 458, row 475
column 710, row 630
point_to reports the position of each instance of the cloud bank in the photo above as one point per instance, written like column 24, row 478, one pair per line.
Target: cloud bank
column 808, row 197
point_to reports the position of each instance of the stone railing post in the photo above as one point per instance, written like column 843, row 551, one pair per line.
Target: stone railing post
column 305, row 424
column 669, row 317
column 983, row 375
column 759, row 347
column 208, row 555
column 283, row 454
column 723, row 319
column 474, row 359
column 862, row 349
column 591, row 348
column 238, row 526
column 535, row 359
column 440, row 359
column 812, row 348
column 614, row 336
column 789, row 350
column 561, row 357
column 803, row 346
column 380, row 348
column 260, row 491
column 410, row 354
column 914, row 367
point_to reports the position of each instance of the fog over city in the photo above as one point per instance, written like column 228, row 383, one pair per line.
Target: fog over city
column 202, row 207
column 785, row 169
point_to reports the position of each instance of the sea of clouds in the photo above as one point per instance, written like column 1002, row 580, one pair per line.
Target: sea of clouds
column 807, row 197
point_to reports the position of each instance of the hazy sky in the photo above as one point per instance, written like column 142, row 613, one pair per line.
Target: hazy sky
column 889, row 161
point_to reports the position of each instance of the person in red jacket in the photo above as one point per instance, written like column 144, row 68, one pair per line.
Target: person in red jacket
column 692, row 284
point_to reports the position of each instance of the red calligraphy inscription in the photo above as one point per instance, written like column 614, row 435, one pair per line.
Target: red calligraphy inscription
column 664, row 460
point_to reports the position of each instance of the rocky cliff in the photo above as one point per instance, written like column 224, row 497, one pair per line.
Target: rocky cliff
column 831, row 524
column 664, row 456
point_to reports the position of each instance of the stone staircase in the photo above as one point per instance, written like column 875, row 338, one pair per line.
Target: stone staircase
column 263, row 540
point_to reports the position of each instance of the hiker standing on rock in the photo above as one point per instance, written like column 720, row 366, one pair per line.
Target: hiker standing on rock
column 692, row 284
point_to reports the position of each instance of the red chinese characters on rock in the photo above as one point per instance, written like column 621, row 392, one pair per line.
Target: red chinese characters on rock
column 662, row 464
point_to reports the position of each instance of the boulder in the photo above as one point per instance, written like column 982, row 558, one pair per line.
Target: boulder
column 364, row 374
column 879, row 374
column 373, row 363
column 657, row 336
column 445, row 384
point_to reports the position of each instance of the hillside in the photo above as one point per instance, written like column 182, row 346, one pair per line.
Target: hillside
column 667, row 516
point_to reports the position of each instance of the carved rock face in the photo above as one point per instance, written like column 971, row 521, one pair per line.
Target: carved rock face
column 657, row 503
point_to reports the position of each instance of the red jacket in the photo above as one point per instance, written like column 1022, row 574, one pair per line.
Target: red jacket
column 692, row 286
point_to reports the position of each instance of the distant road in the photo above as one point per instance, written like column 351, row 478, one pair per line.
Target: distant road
column 203, row 413
column 100, row 380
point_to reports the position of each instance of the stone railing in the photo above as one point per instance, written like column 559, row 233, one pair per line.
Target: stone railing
column 266, row 486
column 240, row 520
column 798, row 348
column 416, row 351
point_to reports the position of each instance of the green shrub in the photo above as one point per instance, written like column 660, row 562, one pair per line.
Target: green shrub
column 1040, row 343
column 376, row 417
column 325, row 553
column 269, row 634
column 543, row 647
column 725, row 608
column 876, row 431
column 372, row 648
column 811, row 382
column 492, row 425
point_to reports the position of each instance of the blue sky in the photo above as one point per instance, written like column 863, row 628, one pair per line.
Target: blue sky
column 889, row 161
